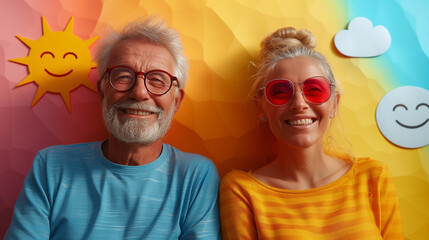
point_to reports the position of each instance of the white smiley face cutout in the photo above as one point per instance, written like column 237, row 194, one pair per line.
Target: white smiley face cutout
column 403, row 116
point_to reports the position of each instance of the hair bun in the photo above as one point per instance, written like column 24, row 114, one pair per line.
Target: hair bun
column 287, row 38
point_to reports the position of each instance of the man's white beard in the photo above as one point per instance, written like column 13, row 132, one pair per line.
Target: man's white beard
column 136, row 130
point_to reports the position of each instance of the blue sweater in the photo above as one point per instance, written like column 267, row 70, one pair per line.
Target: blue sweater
column 73, row 192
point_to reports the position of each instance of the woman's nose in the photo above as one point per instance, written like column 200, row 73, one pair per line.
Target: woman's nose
column 298, row 101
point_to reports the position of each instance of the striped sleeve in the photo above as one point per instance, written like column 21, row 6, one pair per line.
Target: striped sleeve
column 236, row 215
column 390, row 216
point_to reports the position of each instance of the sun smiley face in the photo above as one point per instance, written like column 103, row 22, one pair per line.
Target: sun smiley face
column 403, row 116
column 51, row 55
column 58, row 62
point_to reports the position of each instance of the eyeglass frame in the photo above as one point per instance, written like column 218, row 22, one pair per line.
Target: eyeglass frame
column 144, row 74
column 332, row 85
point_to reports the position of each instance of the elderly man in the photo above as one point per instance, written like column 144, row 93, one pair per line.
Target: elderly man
column 132, row 185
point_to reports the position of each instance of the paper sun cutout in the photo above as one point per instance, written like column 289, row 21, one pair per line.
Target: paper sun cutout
column 362, row 39
column 58, row 62
column 403, row 116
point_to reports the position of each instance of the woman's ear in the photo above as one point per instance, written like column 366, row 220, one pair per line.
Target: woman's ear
column 261, row 114
column 256, row 101
column 334, row 110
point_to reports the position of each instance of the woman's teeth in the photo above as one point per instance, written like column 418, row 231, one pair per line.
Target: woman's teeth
column 300, row 121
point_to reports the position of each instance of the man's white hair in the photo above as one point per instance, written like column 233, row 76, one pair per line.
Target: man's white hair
column 149, row 30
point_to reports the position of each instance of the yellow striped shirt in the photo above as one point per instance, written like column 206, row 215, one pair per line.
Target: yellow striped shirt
column 362, row 204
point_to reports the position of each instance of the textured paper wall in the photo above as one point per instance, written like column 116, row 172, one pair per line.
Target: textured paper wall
column 216, row 118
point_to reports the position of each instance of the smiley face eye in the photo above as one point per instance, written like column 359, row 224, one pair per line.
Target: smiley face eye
column 422, row 105
column 70, row 53
column 400, row 105
column 47, row 53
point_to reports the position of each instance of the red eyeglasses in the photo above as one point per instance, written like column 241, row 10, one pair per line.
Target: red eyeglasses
column 315, row 90
column 157, row 82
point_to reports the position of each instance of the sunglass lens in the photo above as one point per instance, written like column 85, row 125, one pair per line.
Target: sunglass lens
column 317, row 90
column 279, row 92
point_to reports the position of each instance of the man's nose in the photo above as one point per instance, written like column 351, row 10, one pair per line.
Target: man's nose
column 139, row 90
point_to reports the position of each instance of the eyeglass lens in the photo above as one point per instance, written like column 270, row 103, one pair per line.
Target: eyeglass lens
column 156, row 82
column 316, row 90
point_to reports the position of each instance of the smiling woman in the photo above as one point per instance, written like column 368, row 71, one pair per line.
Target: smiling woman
column 46, row 66
column 305, row 192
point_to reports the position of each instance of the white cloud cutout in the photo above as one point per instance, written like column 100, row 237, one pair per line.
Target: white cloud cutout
column 362, row 39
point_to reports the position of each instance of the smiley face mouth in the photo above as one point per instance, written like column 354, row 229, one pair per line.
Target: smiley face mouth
column 412, row 127
column 58, row 75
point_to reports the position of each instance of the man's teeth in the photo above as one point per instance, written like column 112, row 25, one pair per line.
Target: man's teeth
column 137, row 112
column 300, row 121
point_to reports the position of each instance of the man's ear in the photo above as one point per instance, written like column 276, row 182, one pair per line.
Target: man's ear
column 100, row 90
column 334, row 110
column 178, row 99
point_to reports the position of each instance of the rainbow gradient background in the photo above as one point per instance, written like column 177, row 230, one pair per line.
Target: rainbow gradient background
column 216, row 118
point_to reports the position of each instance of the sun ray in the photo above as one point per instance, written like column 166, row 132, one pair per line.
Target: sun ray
column 46, row 27
column 23, row 60
column 26, row 80
column 66, row 99
column 26, row 41
column 90, row 41
column 69, row 27
column 39, row 94
column 88, row 84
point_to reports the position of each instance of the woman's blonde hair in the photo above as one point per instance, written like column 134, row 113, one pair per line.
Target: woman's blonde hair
column 288, row 43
